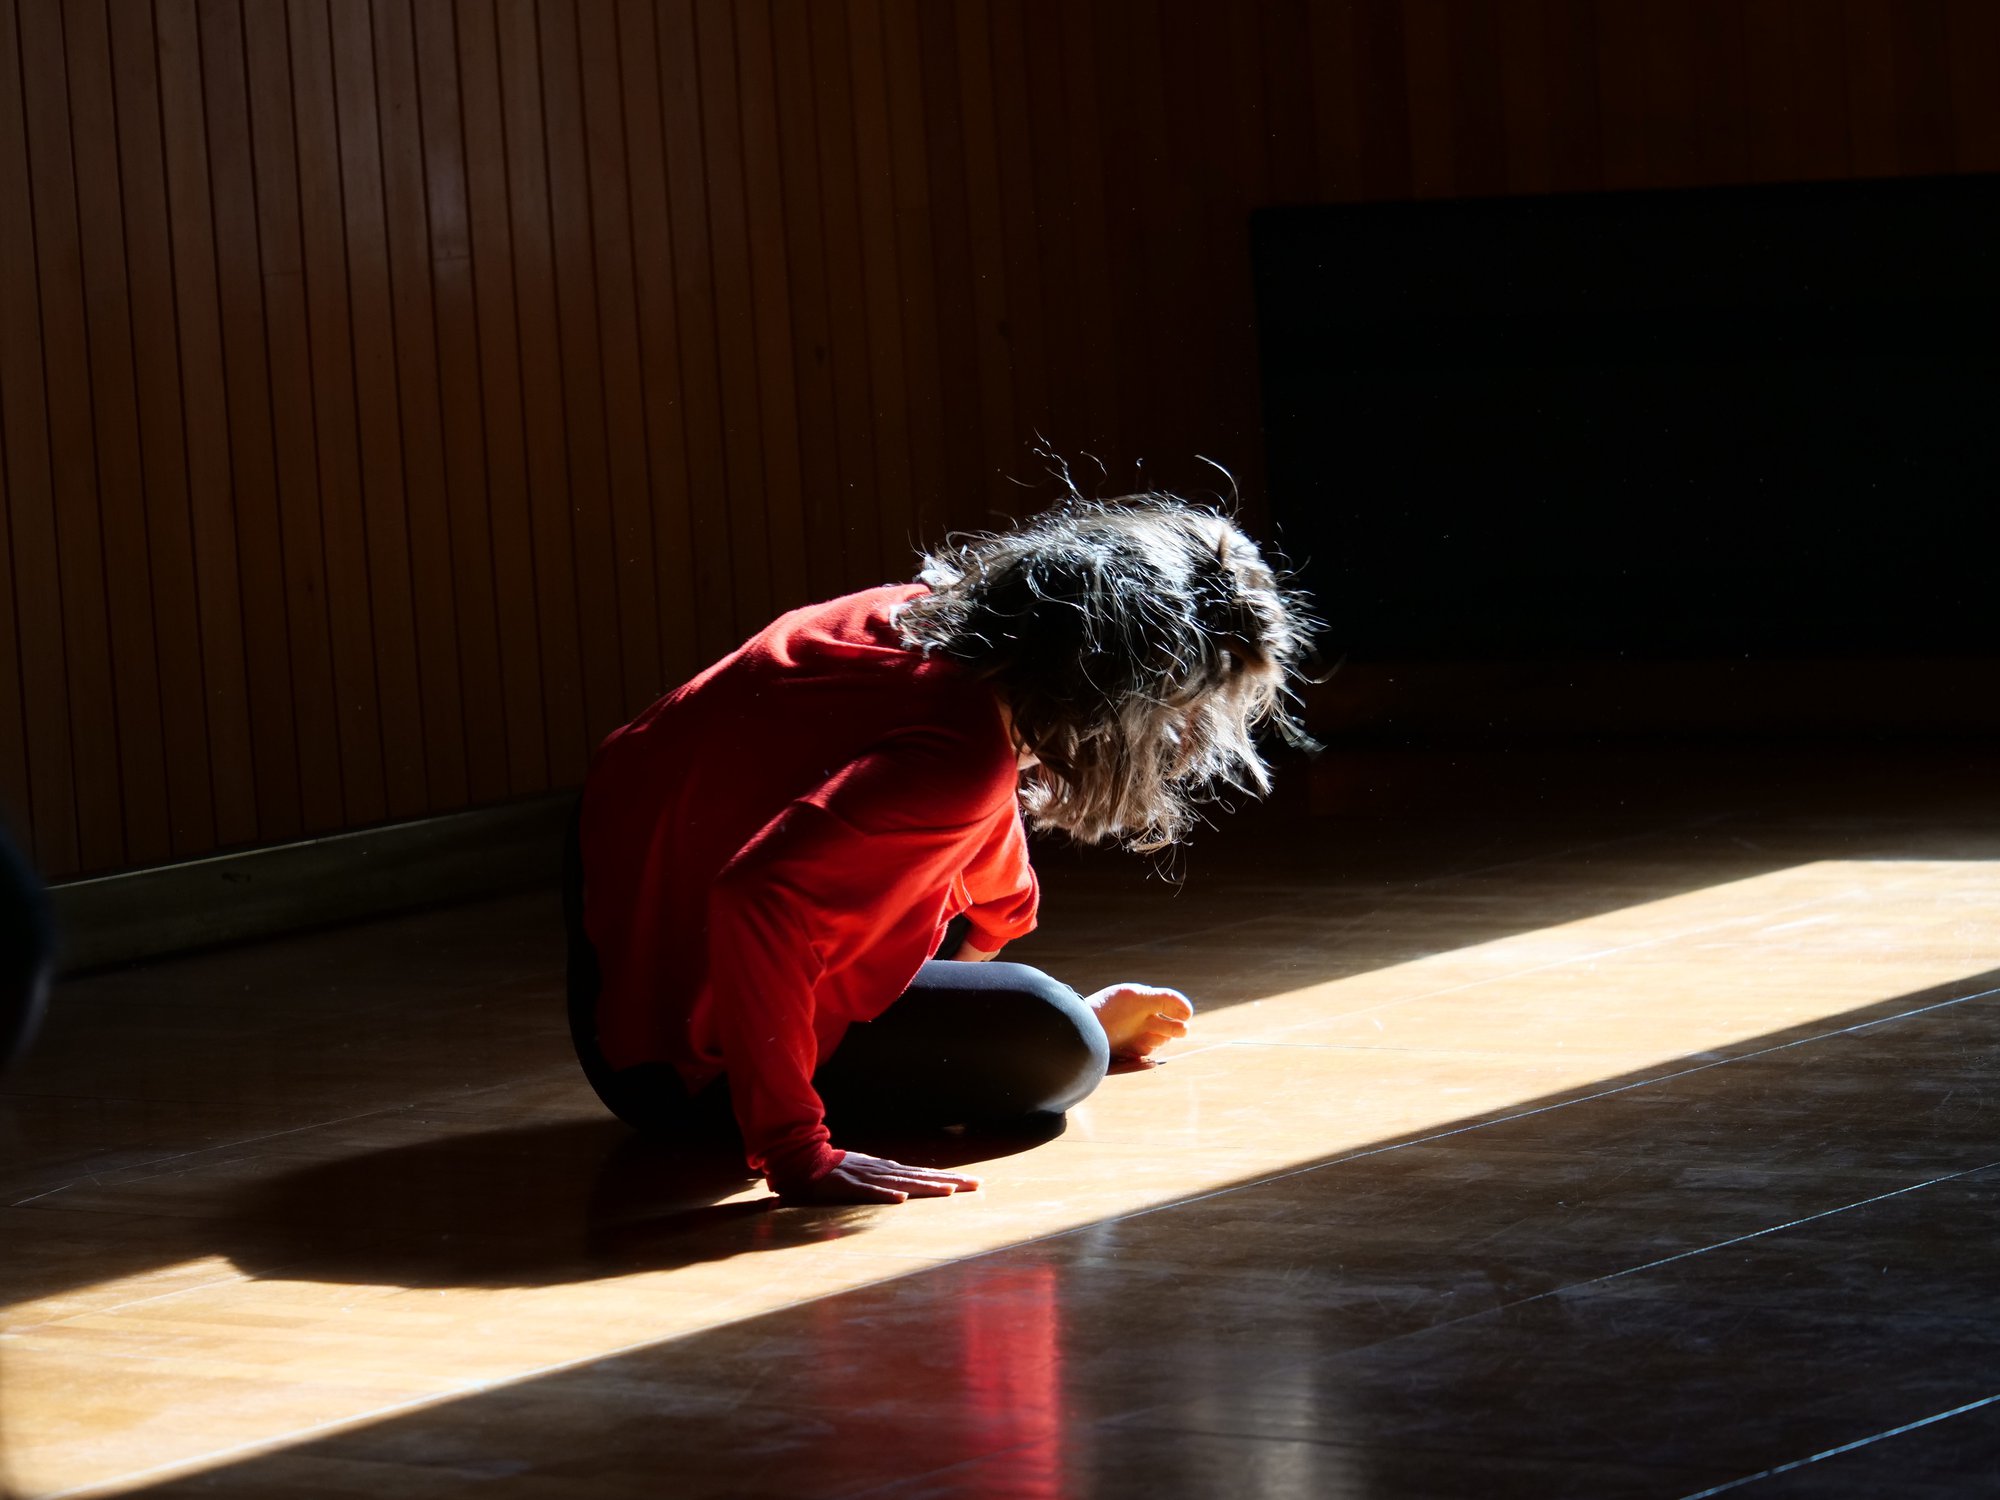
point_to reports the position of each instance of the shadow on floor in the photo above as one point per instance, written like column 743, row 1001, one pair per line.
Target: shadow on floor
column 548, row 1204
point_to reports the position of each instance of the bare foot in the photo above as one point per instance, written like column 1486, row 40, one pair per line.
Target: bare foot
column 1140, row 1017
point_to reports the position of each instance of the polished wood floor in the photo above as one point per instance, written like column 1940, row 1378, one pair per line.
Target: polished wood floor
column 1595, row 1124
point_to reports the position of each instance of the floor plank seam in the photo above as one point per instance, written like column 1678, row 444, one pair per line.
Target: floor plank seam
column 236, row 1278
column 1668, row 1260
column 1863, row 1442
column 1315, row 1440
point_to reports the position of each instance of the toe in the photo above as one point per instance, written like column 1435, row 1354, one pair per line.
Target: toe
column 1173, row 1003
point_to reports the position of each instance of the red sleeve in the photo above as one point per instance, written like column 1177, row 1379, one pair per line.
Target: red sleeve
column 1005, row 894
column 819, row 884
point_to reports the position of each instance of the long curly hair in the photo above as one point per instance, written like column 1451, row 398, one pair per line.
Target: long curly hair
column 1139, row 644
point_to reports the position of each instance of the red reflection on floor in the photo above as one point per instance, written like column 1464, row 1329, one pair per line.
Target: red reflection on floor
column 1010, row 1337
column 987, row 1379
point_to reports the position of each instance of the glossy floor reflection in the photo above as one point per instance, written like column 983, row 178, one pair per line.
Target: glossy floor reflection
column 1591, row 1149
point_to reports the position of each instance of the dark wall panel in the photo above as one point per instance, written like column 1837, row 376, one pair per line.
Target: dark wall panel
column 396, row 394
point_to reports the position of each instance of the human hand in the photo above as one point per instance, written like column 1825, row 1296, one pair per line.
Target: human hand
column 967, row 954
column 875, row 1179
column 1139, row 1018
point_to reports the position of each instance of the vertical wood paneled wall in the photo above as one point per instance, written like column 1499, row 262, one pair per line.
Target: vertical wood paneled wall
column 396, row 394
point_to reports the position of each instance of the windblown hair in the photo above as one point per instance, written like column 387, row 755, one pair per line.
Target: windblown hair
column 1139, row 643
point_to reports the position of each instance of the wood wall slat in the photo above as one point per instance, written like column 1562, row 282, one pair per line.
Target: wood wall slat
column 431, row 180
column 624, row 394
column 1065, row 416
column 1624, row 60
column 1670, row 117
column 1973, row 39
column 1871, row 86
column 1176, row 209
column 1382, row 82
column 1096, row 328
column 1524, row 96
column 1770, row 121
column 986, row 220
column 396, row 395
column 1576, row 102
column 1436, row 105
column 1027, row 324
column 679, row 123
column 735, row 317
column 154, row 332
column 433, row 564
column 571, row 734
column 1480, row 148
column 1328, row 45
column 1118, row 188
column 203, row 390
column 73, row 468
column 605, row 618
column 875, row 188
column 1821, row 84
column 848, row 333
column 128, row 559
column 1223, row 329
column 688, row 583
column 354, row 609
column 807, row 309
column 407, row 731
column 522, row 594
column 909, row 171
column 812, row 337
column 1166, row 255
column 287, row 615
column 48, row 815
column 1227, row 415
column 1925, row 127
column 1719, row 77
column 964, row 499
column 1303, row 107
column 777, row 355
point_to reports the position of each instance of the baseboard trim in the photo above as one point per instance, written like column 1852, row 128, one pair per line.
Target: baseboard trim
column 343, row 877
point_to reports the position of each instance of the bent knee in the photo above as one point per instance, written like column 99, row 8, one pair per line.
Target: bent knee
column 1067, row 1052
column 1079, row 1065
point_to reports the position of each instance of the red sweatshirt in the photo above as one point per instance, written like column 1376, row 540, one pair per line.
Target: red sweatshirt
column 771, row 852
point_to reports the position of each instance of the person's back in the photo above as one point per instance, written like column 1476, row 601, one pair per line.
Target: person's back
column 678, row 794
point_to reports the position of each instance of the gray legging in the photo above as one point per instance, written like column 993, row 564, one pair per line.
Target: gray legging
column 965, row 1044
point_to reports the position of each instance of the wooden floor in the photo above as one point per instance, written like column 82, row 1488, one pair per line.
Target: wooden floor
column 1597, row 1125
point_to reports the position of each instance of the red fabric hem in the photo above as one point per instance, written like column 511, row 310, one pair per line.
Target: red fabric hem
column 802, row 1172
column 986, row 940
